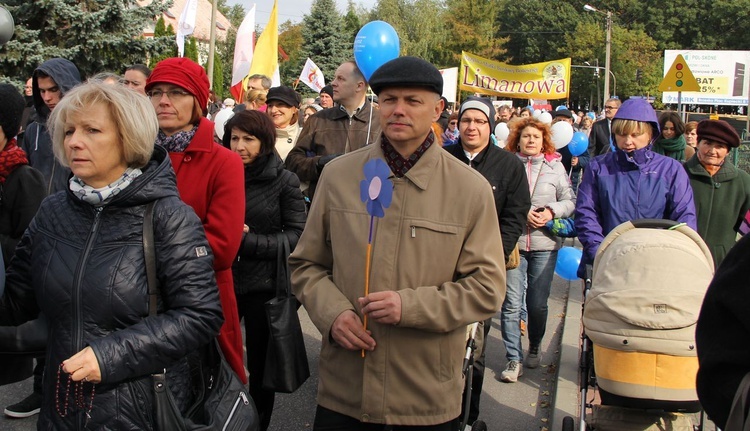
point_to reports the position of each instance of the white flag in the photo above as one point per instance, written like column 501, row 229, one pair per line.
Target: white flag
column 243, row 48
column 186, row 24
column 312, row 76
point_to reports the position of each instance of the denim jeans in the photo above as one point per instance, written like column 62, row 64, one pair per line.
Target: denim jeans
column 534, row 277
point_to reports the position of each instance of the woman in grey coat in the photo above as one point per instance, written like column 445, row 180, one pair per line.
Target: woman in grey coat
column 551, row 197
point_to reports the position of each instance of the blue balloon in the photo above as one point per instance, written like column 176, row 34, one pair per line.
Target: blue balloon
column 578, row 144
column 591, row 115
column 376, row 44
column 561, row 107
column 568, row 259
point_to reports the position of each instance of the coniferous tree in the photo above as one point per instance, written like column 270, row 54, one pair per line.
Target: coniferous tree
column 96, row 35
column 191, row 49
column 168, row 35
column 324, row 41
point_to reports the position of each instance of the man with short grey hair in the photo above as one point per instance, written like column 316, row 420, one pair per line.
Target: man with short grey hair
column 404, row 367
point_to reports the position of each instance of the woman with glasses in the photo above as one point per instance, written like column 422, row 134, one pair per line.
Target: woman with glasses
column 210, row 179
column 551, row 196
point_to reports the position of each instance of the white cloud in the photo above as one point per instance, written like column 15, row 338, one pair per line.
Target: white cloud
column 291, row 9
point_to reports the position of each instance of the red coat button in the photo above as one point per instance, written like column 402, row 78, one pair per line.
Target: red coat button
column 187, row 159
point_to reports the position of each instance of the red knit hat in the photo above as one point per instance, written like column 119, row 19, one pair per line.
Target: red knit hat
column 185, row 73
column 718, row 131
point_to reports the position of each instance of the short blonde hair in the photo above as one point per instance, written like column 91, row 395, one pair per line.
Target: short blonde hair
column 627, row 127
column 133, row 114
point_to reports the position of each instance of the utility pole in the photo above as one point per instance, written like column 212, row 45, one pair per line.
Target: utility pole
column 211, row 45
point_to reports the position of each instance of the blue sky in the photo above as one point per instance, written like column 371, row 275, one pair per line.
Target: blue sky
column 290, row 9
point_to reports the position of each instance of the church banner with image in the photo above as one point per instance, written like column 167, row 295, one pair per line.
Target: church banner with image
column 548, row 80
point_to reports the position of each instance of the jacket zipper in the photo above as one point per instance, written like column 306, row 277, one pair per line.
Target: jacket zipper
column 77, row 284
column 242, row 397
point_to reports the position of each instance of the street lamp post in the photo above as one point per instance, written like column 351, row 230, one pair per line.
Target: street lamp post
column 607, row 63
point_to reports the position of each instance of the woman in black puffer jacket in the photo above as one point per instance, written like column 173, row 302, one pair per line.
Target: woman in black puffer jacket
column 81, row 263
column 274, row 206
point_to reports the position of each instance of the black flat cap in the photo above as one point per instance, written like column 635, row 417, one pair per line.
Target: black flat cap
column 407, row 72
column 284, row 94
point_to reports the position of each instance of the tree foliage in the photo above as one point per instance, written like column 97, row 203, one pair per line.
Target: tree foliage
column 323, row 39
column 290, row 40
column 96, row 35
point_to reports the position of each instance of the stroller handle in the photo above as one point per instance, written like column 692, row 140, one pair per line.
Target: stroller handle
column 654, row 223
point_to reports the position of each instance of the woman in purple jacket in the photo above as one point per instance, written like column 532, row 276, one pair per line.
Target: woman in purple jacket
column 631, row 183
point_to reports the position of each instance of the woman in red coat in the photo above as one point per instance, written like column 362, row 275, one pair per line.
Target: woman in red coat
column 210, row 178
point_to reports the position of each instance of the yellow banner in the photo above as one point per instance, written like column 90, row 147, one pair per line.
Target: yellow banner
column 548, row 80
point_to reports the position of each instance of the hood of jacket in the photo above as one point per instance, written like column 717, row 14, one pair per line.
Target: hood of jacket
column 157, row 181
column 63, row 72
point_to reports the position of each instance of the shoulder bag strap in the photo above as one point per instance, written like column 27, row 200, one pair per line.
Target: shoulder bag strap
column 150, row 255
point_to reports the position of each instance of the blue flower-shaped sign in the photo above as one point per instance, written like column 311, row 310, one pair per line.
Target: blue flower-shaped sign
column 376, row 189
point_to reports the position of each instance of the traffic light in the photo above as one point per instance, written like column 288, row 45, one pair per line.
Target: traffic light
column 638, row 75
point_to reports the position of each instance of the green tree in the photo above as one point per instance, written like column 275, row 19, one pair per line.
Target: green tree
column 291, row 40
column 535, row 29
column 96, row 35
column 191, row 49
column 323, row 39
column 351, row 23
column 168, row 35
column 471, row 26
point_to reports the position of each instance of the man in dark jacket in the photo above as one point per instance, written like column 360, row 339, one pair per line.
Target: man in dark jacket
column 335, row 131
column 601, row 139
column 51, row 80
column 506, row 175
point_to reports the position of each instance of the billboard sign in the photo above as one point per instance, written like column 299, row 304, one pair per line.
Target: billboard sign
column 721, row 75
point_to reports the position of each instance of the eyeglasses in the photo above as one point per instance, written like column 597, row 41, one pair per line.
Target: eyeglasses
column 609, row 108
column 478, row 122
column 171, row 94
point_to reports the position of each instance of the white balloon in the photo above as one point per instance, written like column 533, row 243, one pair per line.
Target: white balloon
column 545, row 117
column 502, row 131
column 220, row 120
column 536, row 113
column 562, row 134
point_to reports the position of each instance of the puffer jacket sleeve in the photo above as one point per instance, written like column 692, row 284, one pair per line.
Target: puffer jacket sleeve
column 18, row 303
column 293, row 216
column 565, row 198
column 681, row 205
column 192, row 315
column 302, row 159
column 587, row 219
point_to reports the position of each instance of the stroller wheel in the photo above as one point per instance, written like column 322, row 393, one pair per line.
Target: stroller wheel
column 568, row 424
column 479, row 426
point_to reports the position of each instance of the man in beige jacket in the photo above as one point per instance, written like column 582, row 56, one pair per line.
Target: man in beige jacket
column 437, row 265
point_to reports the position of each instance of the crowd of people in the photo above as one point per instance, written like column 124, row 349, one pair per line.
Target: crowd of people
column 80, row 161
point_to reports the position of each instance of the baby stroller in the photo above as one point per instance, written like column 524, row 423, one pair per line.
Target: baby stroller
column 641, row 304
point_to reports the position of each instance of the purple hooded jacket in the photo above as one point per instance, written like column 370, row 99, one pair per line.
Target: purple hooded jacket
column 618, row 187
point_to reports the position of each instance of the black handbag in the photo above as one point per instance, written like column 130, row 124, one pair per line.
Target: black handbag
column 286, row 357
column 222, row 401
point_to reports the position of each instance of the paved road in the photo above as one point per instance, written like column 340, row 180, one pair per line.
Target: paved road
column 521, row 406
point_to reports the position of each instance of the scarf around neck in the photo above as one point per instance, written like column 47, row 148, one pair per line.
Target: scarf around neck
column 178, row 142
column 674, row 147
column 99, row 196
column 11, row 157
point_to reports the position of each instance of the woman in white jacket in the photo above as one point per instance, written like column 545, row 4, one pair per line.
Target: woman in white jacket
column 551, row 196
